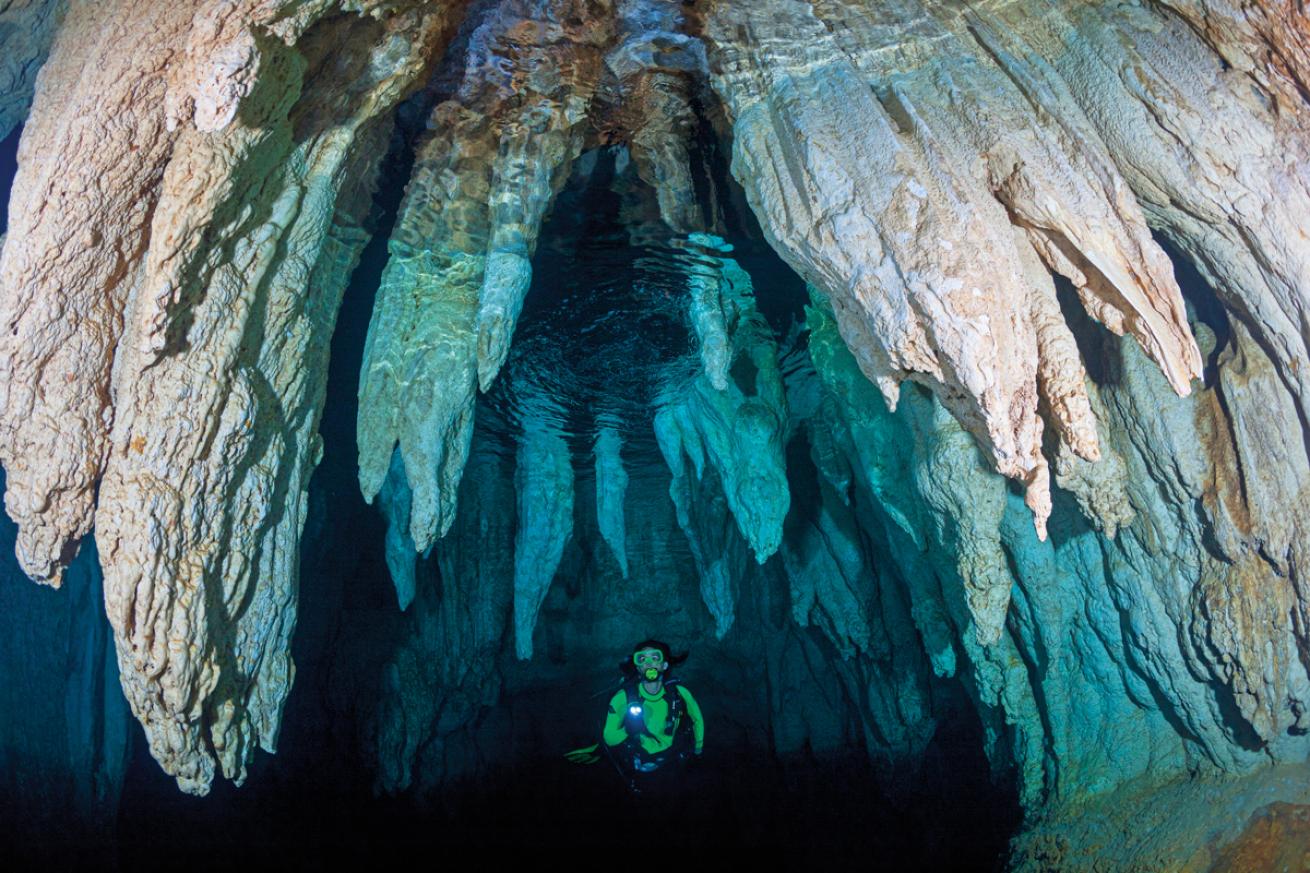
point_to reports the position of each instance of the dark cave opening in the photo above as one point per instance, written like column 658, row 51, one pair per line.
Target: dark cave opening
column 8, row 169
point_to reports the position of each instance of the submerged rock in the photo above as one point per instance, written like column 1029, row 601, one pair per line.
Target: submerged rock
column 543, row 480
column 611, row 489
column 724, row 447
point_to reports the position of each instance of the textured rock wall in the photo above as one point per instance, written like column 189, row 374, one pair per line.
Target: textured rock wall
column 179, row 240
column 1155, row 651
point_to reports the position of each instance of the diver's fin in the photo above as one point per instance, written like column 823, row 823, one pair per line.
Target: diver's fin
column 585, row 755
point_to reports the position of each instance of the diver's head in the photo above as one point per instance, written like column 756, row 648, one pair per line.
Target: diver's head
column 658, row 656
column 651, row 658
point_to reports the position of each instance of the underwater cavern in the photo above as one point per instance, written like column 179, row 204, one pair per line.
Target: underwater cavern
column 377, row 374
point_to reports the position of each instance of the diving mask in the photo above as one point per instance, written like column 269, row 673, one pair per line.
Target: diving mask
column 649, row 663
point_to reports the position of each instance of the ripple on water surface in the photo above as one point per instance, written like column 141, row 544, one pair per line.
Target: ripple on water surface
column 604, row 333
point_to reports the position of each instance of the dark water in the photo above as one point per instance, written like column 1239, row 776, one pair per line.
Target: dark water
column 752, row 808
column 8, row 167
column 605, row 332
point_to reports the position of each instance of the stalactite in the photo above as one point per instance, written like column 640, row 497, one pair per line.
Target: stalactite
column 738, row 432
column 402, row 562
column 611, row 489
column 554, row 49
column 68, row 271
column 543, row 480
column 901, row 228
column 194, row 191
column 705, row 279
column 418, row 377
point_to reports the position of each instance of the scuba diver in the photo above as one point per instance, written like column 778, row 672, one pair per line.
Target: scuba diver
column 645, row 728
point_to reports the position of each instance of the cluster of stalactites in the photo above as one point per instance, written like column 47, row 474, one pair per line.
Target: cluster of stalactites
column 180, row 234
column 187, row 210
column 897, row 161
column 727, row 438
column 540, row 80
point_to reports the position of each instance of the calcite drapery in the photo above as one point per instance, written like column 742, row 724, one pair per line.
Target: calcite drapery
column 501, row 147
column 543, row 481
column 734, row 434
column 860, row 145
column 171, row 280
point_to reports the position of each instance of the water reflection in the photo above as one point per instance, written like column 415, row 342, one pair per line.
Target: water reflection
column 606, row 329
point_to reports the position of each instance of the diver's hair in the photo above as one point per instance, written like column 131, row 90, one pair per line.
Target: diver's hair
column 629, row 669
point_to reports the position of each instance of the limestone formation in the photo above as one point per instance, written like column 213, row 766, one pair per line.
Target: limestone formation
column 402, row 562
column 555, row 51
column 1268, row 40
column 902, row 217
column 704, row 280
column 171, row 277
column 611, row 489
column 735, row 435
column 543, row 481
column 417, row 382
column 656, row 66
column 500, row 148
column 1038, row 449
column 1180, row 123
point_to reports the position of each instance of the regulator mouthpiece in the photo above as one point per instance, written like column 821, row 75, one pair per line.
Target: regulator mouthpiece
column 652, row 674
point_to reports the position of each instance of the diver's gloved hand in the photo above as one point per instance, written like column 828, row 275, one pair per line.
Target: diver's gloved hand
column 695, row 760
column 586, row 755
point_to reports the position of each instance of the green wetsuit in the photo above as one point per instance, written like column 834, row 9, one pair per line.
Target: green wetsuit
column 654, row 712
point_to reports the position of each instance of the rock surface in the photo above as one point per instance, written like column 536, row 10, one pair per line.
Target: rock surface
column 172, row 275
